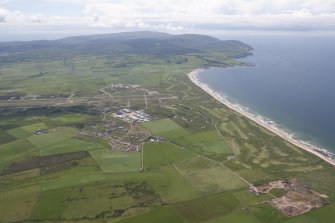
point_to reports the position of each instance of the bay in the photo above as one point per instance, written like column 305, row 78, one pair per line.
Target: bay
column 292, row 83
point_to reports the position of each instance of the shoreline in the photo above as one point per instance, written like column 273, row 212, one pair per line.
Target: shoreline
column 321, row 153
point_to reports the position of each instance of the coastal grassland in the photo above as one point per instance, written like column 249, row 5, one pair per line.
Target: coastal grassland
column 208, row 176
column 31, row 128
column 101, row 199
column 5, row 137
column 54, row 136
column 158, row 154
column 206, row 208
column 19, row 133
column 50, row 204
column 322, row 215
column 14, row 151
column 263, row 156
column 67, row 119
column 172, row 186
column 21, row 200
column 160, row 214
column 117, row 161
column 70, row 145
column 166, row 128
column 26, row 130
column 237, row 216
column 207, row 143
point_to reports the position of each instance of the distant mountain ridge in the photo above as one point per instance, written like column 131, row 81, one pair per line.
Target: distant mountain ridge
column 144, row 42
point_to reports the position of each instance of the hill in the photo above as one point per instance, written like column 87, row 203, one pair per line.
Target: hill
column 142, row 43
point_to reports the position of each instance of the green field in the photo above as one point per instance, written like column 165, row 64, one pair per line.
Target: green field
column 162, row 214
column 174, row 187
column 50, row 204
column 6, row 137
column 207, row 143
column 157, row 154
column 67, row 119
column 206, row 208
column 114, row 161
column 15, row 151
column 166, row 128
column 54, row 136
column 237, row 216
column 34, row 127
column 19, row 133
column 21, row 200
column 208, row 176
column 70, row 145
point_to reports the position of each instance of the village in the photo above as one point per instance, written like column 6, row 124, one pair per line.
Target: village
column 123, row 129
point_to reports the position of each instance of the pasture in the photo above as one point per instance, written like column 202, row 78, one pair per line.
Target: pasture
column 21, row 200
column 54, row 136
column 70, row 145
column 116, row 161
column 165, row 127
column 208, row 176
column 158, row 154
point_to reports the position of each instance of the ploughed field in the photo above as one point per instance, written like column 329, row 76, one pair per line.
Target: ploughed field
column 74, row 147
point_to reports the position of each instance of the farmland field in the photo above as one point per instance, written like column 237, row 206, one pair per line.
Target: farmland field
column 209, row 177
column 165, row 127
column 115, row 161
column 163, row 154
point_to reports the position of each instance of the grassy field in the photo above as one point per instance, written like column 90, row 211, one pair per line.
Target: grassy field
column 206, row 143
column 166, row 128
column 162, row 214
column 15, row 151
column 114, row 161
column 55, row 136
column 206, row 208
column 50, row 204
column 208, row 176
column 70, row 145
column 174, row 187
column 158, row 154
column 21, row 200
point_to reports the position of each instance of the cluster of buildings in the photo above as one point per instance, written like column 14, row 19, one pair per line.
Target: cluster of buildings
column 116, row 87
column 124, row 146
column 133, row 116
column 40, row 132
column 104, row 132
column 156, row 139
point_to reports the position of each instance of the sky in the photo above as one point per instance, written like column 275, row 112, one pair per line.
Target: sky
column 55, row 16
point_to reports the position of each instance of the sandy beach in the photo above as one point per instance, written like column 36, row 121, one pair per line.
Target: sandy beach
column 259, row 120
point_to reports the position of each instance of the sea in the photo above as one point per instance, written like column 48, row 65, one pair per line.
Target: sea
column 291, row 84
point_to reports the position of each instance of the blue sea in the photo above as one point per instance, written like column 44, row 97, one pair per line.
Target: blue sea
column 291, row 83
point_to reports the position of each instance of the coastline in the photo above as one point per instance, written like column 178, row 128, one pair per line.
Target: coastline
column 321, row 153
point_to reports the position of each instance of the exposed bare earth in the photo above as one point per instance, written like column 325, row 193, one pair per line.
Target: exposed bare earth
column 298, row 200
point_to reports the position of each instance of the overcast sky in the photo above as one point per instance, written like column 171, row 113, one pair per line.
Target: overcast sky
column 168, row 15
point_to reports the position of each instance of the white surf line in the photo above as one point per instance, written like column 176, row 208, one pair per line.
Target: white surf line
column 178, row 169
column 250, row 184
